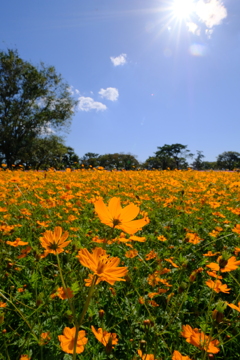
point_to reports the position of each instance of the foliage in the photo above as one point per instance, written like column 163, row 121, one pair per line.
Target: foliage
column 110, row 161
column 198, row 163
column 118, row 161
column 173, row 154
column 33, row 102
column 228, row 160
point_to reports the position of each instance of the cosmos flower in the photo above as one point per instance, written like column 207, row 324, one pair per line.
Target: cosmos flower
column 67, row 340
column 224, row 265
column 199, row 339
column 178, row 356
column 145, row 356
column 54, row 241
column 115, row 216
column 105, row 267
column 234, row 306
column 105, row 337
column 217, row 286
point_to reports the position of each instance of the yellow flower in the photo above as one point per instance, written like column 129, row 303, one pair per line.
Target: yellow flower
column 105, row 267
column 115, row 216
column 234, row 306
column 54, row 241
column 217, row 286
column 178, row 356
column 67, row 340
column 105, row 337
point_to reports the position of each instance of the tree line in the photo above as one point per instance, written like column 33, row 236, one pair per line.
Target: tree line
column 36, row 108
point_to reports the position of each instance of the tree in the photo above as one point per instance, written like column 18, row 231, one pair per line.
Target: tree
column 198, row 163
column 173, row 156
column 45, row 153
column 118, row 161
column 90, row 160
column 33, row 103
column 70, row 159
column 228, row 160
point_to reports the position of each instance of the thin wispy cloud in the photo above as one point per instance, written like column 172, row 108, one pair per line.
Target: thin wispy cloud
column 211, row 12
column 119, row 60
column 73, row 91
column 88, row 104
column 109, row 93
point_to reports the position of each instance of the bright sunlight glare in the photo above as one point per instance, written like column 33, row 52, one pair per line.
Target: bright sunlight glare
column 182, row 9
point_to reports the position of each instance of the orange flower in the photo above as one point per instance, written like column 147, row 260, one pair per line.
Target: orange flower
column 145, row 356
column 234, row 306
column 45, row 337
column 214, row 274
column 151, row 255
column 24, row 252
column 54, row 241
column 236, row 229
column 224, row 265
column 171, row 262
column 217, row 286
column 105, row 337
column 25, row 357
column 17, row 242
column 131, row 254
column 178, row 356
column 67, row 340
column 193, row 238
column 68, row 294
column 2, row 304
column 161, row 238
column 117, row 217
column 210, row 253
column 102, row 265
column 199, row 339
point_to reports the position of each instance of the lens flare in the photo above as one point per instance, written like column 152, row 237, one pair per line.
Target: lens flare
column 182, row 9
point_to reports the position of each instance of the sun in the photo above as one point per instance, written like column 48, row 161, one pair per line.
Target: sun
column 182, row 9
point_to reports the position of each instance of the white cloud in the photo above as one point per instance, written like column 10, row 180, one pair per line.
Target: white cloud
column 211, row 12
column 87, row 104
column 73, row 91
column 193, row 28
column 109, row 93
column 119, row 60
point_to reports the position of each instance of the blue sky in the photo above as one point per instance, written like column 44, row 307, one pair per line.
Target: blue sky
column 145, row 73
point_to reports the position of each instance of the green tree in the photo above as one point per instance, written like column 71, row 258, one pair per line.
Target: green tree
column 90, row 160
column 33, row 102
column 45, row 152
column 173, row 156
column 70, row 159
column 118, row 161
column 228, row 160
column 198, row 163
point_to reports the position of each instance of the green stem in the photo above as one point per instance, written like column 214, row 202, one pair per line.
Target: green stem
column 86, row 305
column 66, row 292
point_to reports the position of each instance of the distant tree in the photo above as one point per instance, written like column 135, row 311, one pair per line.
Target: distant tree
column 90, row 160
column 198, row 163
column 45, row 153
column 173, row 154
column 33, row 102
column 158, row 162
column 209, row 165
column 228, row 160
column 118, row 161
column 70, row 159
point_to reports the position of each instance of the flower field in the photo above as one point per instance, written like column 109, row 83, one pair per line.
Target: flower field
column 121, row 265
